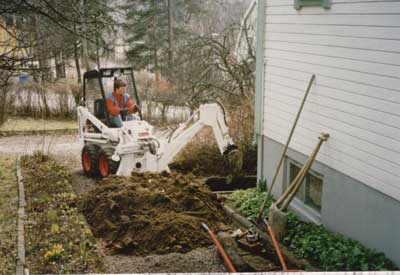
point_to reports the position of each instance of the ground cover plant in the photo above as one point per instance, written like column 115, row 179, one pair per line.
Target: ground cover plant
column 57, row 238
column 8, row 215
column 328, row 251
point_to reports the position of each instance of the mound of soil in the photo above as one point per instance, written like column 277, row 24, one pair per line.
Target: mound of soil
column 152, row 213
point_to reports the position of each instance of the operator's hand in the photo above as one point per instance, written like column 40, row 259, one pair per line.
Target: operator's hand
column 135, row 108
column 123, row 112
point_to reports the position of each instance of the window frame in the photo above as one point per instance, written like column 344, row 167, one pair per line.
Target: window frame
column 298, row 4
column 315, row 174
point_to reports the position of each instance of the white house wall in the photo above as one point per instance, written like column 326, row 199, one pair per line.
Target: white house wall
column 353, row 48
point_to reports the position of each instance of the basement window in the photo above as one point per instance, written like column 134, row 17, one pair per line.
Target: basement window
column 310, row 192
column 298, row 4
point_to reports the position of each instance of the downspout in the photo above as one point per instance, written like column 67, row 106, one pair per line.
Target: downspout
column 259, row 89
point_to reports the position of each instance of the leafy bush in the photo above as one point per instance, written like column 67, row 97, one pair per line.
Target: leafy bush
column 249, row 201
column 50, row 100
column 77, row 92
column 329, row 251
column 332, row 251
column 7, row 100
column 64, row 101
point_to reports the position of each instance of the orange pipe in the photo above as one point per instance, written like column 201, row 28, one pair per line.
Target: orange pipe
column 220, row 249
column 276, row 246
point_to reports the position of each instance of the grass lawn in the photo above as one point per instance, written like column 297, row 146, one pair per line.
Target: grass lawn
column 30, row 124
column 8, row 215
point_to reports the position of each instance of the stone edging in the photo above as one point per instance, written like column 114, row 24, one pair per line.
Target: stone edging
column 20, row 265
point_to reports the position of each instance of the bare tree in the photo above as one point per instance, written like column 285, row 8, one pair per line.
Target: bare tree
column 210, row 69
column 54, row 29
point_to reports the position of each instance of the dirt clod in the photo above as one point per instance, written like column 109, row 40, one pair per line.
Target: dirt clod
column 152, row 213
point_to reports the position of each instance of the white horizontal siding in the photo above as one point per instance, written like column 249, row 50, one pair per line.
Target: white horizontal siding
column 335, row 99
column 338, row 73
column 348, row 7
column 348, row 86
column 332, row 125
column 352, row 43
column 388, row 20
column 277, row 3
column 354, row 50
column 385, row 70
column 374, row 57
column 338, row 31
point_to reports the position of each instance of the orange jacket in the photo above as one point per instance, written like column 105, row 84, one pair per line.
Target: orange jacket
column 115, row 103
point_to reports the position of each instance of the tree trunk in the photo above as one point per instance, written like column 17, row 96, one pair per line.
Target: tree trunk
column 155, row 49
column 60, row 65
column 85, row 51
column 77, row 65
column 3, row 103
column 170, row 34
column 97, row 53
column 44, row 67
column 156, row 67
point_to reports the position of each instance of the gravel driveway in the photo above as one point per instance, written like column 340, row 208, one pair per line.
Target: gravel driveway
column 56, row 144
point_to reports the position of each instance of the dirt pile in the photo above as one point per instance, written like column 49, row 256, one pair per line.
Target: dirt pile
column 152, row 213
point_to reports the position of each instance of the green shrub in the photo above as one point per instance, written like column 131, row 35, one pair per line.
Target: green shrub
column 332, row 251
column 249, row 201
column 329, row 251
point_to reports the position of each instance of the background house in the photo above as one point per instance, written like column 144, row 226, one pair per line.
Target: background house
column 353, row 48
column 246, row 38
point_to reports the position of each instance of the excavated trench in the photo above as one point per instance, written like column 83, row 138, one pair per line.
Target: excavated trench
column 226, row 184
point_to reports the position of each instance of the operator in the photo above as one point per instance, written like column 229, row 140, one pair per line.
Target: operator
column 119, row 104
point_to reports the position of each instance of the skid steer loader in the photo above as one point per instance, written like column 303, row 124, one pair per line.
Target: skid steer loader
column 136, row 146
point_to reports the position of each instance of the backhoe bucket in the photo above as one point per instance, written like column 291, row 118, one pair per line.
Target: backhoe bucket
column 234, row 158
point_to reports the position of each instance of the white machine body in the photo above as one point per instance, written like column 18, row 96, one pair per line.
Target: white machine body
column 137, row 145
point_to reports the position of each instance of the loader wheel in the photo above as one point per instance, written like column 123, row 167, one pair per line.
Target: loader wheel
column 106, row 165
column 90, row 159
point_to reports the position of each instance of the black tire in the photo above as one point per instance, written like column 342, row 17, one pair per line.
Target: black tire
column 112, row 165
column 90, row 152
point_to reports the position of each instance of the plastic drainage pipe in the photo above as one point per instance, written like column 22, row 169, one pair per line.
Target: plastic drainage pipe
column 276, row 246
column 220, row 249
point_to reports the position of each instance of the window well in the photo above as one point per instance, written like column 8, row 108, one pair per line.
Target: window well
column 310, row 192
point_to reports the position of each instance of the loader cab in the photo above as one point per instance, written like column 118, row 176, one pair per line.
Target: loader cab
column 98, row 83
